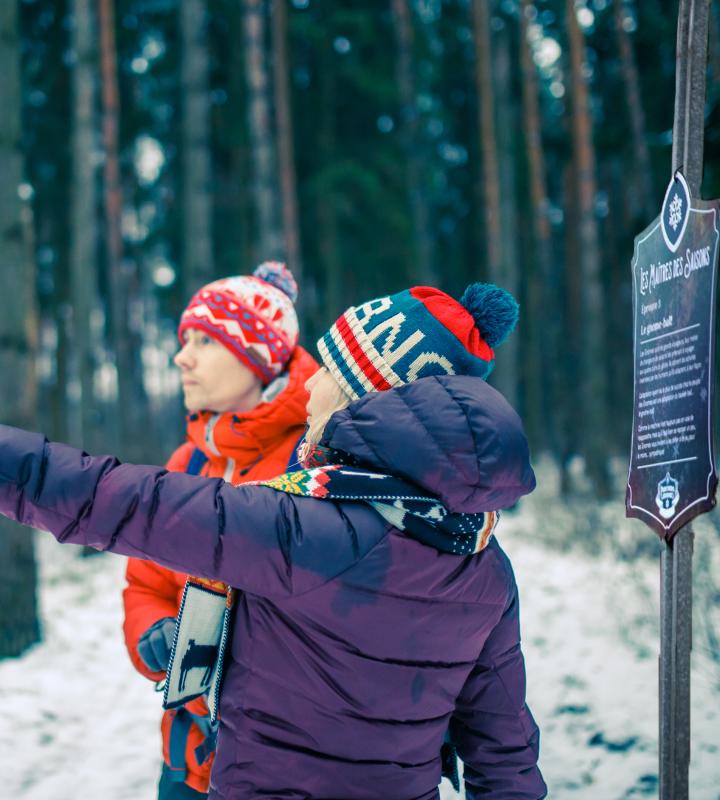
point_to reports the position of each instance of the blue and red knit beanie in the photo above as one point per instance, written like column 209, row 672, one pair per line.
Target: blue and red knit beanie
column 415, row 333
column 252, row 315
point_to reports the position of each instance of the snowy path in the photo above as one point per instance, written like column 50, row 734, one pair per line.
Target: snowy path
column 78, row 721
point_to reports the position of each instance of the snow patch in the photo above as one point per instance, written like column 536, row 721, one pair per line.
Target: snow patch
column 76, row 714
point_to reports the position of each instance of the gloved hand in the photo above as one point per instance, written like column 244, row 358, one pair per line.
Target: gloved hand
column 156, row 643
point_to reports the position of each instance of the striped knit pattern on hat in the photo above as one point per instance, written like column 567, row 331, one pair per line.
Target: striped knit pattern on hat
column 252, row 315
column 397, row 339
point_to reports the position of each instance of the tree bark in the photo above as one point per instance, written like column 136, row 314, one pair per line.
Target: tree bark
column 422, row 270
column 645, row 199
column 286, row 148
column 232, row 200
column 593, row 354
column 620, row 311
column 118, row 303
column 19, row 627
column 197, row 233
column 490, row 189
column 570, row 371
column 264, row 169
column 543, row 317
column 83, row 241
column 504, row 377
column 334, row 293
column 507, row 360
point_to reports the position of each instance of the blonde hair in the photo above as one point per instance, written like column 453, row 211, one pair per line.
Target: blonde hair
column 339, row 400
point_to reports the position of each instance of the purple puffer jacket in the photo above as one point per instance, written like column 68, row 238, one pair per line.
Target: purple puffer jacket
column 354, row 647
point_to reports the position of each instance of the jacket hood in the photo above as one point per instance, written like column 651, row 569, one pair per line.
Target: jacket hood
column 243, row 435
column 452, row 435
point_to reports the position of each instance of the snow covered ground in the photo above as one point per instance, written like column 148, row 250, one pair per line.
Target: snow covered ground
column 78, row 721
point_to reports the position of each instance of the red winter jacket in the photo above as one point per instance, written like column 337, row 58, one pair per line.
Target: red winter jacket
column 254, row 445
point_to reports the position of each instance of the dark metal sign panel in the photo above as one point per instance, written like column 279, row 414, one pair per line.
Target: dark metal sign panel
column 672, row 474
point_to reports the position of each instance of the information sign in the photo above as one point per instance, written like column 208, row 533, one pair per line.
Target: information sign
column 672, row 474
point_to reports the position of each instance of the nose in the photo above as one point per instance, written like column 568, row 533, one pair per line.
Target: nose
column 184, row 358
column 311, row 381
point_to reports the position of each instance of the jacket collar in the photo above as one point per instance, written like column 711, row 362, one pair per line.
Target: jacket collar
column 243, row 436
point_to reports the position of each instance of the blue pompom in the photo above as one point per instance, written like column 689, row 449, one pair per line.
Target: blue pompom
column 494, row 310
column 277, row 274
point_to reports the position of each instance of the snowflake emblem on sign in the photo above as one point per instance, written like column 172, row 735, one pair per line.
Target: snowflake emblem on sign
column 675, row 209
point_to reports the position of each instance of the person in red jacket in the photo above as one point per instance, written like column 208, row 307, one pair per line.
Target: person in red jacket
column 243, row 378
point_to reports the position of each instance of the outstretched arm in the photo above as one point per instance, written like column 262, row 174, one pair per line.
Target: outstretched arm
column 492, row 728
column 251, row 537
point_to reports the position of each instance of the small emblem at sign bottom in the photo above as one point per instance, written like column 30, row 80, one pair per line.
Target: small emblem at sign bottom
column 667, row 496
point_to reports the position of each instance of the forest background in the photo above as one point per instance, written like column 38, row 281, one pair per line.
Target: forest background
column 149, row 146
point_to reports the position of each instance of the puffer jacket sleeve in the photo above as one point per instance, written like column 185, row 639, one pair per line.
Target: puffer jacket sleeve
column 151, row 593
column 492, row 728
column 251, row 537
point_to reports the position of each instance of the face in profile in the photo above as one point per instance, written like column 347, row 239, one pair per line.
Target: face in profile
column 213, row 379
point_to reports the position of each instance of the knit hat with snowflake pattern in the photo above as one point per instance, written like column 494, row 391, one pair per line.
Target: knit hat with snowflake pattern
column 415, row 333
column 252, row 315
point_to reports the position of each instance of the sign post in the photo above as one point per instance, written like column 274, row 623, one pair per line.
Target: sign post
column 672, row 474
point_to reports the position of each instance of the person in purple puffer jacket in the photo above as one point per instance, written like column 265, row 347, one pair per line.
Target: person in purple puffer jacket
column 375, row 614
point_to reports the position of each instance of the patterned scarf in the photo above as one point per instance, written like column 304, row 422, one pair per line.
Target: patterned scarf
column 332, row 475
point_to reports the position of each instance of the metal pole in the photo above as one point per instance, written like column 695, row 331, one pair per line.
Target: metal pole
column 695, row 78
column 675, row 646
column 676, row 560
column 666, row 750
column 681, row 76
column 690, row 82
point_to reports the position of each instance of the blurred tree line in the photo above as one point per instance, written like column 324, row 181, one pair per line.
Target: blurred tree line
column 148, row 146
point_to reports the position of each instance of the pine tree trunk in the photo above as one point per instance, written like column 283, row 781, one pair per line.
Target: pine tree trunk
column 505, row 374
column 490, row 188
column 264, row 170
column 543, row 315
column 118, row 305
column 233, row 200
column 286, row 148
column 197, row 231
column 593, row 353
column 507, row 358
column 422, row 269
column 328, row 237
column 60, row 428
column 645, row 200
column 19, row 627
column 570, row 372
column 83, row 242
column 620, row 310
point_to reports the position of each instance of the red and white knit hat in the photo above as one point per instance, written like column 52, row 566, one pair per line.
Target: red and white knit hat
column 416, row 333
column 252, row 315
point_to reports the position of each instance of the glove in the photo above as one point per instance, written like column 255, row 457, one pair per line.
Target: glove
column 156, row 643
